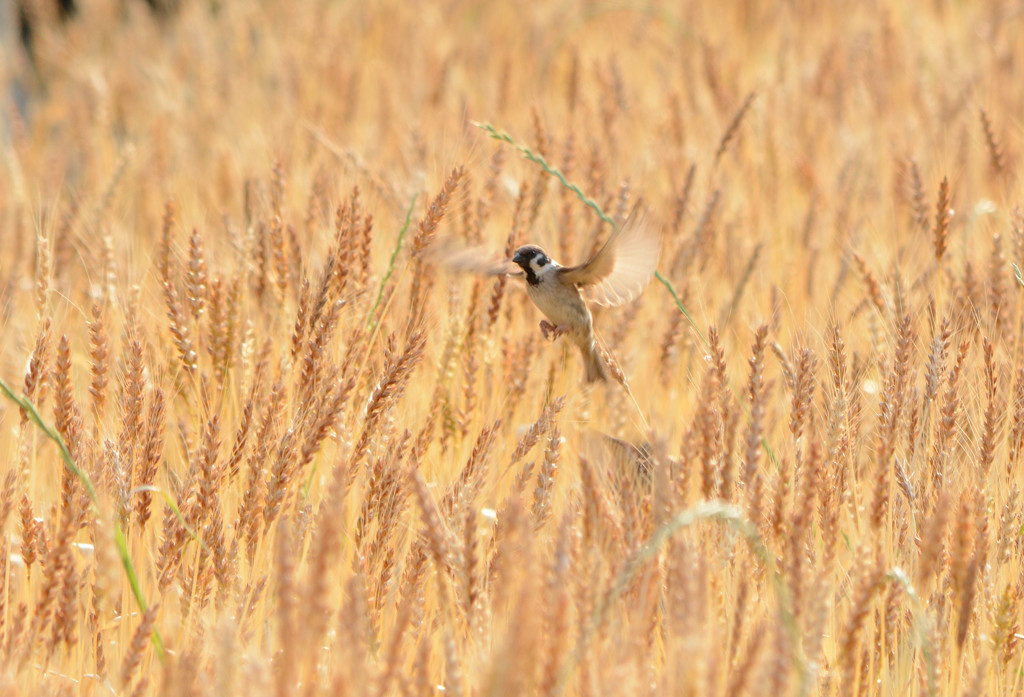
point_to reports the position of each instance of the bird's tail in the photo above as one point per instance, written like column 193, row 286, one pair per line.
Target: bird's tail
column 597, row 369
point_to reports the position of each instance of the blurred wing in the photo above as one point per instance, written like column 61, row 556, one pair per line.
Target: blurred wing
column 621, row 269
column 471, row 260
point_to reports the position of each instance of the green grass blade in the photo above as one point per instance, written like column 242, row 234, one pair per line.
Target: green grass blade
column 590, row 203
column 69, row 462
column 370, row 321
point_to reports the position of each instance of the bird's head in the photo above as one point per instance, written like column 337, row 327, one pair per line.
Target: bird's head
column 531, row 259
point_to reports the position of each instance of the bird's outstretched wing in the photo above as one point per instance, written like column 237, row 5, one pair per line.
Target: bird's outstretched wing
column 471, row 260
column 621, row 269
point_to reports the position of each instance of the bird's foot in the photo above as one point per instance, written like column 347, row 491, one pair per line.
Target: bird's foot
column 551, row 332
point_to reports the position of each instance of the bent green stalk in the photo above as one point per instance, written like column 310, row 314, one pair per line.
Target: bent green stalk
column 590, row 203
column 69, row 462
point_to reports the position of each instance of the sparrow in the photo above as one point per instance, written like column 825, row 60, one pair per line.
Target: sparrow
column 617, row 273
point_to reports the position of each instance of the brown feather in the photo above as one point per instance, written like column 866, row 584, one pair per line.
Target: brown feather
column 621, row 269
column 471, row 260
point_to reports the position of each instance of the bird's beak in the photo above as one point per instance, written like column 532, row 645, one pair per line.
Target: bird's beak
column 519, row 258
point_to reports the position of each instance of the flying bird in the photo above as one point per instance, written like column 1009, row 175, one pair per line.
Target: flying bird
column 617, row 273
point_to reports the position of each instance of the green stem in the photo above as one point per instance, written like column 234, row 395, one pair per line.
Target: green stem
column 724, row 513
column 119, row 538
column 590, row 203
column 370, row 321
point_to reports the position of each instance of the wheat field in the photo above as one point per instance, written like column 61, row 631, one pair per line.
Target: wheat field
column 257, row 441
